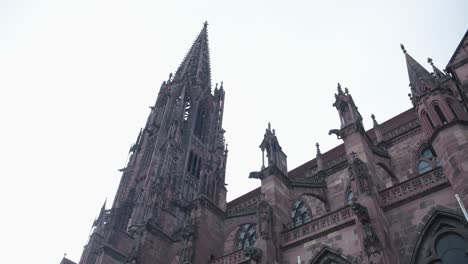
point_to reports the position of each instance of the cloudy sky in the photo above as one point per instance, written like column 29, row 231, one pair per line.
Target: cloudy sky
column 77, row 77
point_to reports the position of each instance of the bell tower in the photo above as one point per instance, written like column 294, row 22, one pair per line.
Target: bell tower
column 175, row 175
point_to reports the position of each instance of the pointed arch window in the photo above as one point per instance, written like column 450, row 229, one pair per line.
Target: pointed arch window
column 300, row 213
column 427, row 161
column 442, row 240
column 426, row 116
column 451, row 248
column 246, row 236
column 440, row 114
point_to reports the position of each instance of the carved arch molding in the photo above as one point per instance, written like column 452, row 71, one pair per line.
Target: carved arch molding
column 328, row 256
column 439, row 227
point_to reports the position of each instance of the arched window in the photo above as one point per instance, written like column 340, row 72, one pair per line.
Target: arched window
column 426, row 116
column 451, row 248
column 443, row 239
column 451, row 109
column 427, row 161
column 350, row 197
column 247, row 236
column 440, row 114
column 300, row 213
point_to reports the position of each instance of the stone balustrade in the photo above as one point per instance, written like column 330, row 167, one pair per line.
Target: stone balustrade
column 412, row 187
column 317, row 226
column 235, row 257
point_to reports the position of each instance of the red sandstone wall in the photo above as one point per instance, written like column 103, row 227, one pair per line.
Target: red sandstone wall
column 403, row 220
column 345, row 239
column 404, row 154
column 336, row 185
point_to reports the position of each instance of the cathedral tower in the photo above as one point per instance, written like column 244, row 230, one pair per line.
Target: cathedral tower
column 174, row 177
column 440, row 109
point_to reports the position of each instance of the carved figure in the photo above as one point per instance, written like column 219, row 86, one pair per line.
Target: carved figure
column 371, row 241
column 253, row 253
column 359, row 171
column 264, row 219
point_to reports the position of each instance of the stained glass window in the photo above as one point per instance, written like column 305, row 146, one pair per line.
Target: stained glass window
column 427, row 161
column 247, row 236
column 451, row 247
column 300, row 213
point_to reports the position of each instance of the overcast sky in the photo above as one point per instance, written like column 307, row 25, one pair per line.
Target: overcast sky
column 77, row 77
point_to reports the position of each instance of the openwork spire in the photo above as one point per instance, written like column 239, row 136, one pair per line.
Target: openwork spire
column 196, row 65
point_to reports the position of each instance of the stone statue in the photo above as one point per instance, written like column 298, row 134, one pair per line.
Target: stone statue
column 359, row 171
column 264, row 220
column 253, row 253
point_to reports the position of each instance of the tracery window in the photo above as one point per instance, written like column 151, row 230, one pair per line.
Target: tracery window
column 443, row 240
column 451, row 248
column 247, row 236
column 427, row 161
column 300, row 213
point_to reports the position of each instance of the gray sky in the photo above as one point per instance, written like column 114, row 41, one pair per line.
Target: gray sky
column 77, row 77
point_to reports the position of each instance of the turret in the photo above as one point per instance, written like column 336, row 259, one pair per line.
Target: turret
column 344, row 103
column 434, row 101
column 439, row 107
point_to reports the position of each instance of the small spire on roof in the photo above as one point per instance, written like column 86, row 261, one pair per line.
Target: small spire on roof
column 403, row 48
column 374, row 120
column 340, row 91
column 429, row 60
column 318, row 148
column 205, row 25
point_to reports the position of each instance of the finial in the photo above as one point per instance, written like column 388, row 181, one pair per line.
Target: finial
column 274, row 131
column 340, row 91
column 403, row 48
column 205, row 25
column 346, row 90
column 221, row 84
column 170, row 77
column 429, row 60
column 318, row 148
column 374, row 120
column 216, row 87
column 269, row 126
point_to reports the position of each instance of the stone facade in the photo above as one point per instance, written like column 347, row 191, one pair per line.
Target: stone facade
column 385, row 195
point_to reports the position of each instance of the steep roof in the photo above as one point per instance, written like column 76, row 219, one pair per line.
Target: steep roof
column 463, row 43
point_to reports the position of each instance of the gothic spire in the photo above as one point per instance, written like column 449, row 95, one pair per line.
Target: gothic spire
column 420, row 79
column 196, row 65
